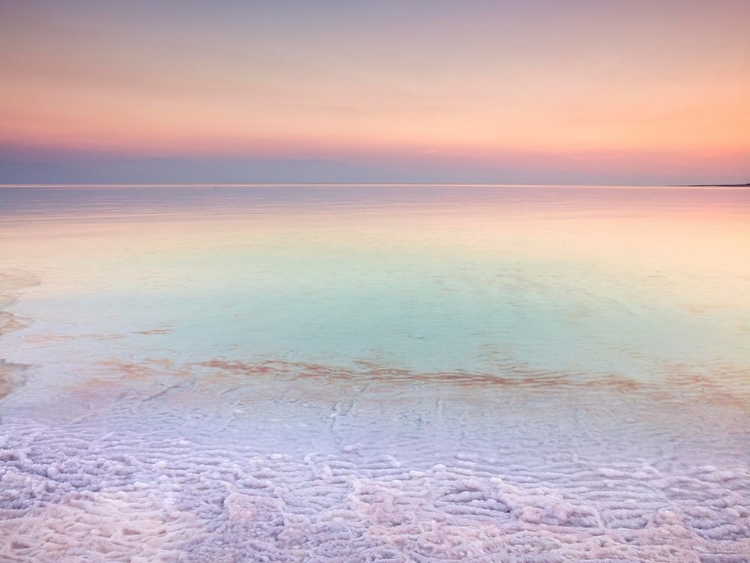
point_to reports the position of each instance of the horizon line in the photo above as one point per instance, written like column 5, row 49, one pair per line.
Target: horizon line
column 375, row 184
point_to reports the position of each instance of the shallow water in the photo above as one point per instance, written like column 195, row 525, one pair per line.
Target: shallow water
column 401, row 373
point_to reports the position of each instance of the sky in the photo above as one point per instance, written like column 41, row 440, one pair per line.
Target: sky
column 532, row 91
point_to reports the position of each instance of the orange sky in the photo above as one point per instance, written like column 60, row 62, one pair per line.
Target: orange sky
column 616, row 84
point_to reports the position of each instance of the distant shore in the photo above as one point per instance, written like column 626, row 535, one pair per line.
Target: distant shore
column 747, row 185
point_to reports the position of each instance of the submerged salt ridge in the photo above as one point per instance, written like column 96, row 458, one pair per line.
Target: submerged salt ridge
column 375, row 374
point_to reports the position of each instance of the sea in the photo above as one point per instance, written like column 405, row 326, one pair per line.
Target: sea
column 401, row 373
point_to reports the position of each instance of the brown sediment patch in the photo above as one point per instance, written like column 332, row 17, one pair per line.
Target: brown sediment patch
column 51, row 338
column 10, row 283
column 14, row 280
column 114, row 379
column 145, row 370
column 9, row 323
column 164, row 330
column 10, row 377
column 507, row 375
column 114, row 336
column 674, row 381
column 678, row 386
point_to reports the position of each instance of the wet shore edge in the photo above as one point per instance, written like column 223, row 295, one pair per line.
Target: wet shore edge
column 11, row 284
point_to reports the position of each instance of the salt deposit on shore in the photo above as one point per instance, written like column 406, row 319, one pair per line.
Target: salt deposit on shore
column 78, row 493
column 229, row 462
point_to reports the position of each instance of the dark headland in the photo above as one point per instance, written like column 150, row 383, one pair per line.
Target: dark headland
column 746, row 185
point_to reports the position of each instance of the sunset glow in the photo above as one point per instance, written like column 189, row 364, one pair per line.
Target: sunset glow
column 647, row 91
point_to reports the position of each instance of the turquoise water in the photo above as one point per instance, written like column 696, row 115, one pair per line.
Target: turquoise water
column 340, row 373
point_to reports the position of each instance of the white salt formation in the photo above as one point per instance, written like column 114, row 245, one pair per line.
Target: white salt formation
column 88, row 496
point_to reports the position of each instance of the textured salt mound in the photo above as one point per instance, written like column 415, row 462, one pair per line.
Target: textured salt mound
column 79, row 494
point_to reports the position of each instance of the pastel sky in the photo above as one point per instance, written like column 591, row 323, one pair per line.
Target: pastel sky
column 579, row 91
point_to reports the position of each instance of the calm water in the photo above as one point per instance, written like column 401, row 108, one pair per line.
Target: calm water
column 374, row 373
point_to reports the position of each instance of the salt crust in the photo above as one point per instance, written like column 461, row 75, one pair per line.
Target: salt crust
column 79, row 494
